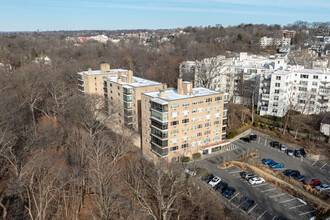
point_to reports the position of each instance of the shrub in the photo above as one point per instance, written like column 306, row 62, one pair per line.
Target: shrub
column 246, row 120
column 273, row 118
column 185, row 159
column 256, row 124
column 273, row 128
column 197, row 156
column 232, row 135
column 264, row 126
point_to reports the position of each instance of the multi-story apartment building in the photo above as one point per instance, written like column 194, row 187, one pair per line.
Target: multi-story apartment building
column 183, row 121
column 303, row 90
column 91, row 82
column 122, row 94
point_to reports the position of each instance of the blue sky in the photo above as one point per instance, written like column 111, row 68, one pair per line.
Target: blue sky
column 30, row 15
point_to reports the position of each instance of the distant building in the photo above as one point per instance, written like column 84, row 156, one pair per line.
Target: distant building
column 325, row 125
column 269, row 41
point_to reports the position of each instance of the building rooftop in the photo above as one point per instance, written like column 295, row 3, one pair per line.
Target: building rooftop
column 312, row 71
column 98, row 72
column 137, row 81
column 171, row 95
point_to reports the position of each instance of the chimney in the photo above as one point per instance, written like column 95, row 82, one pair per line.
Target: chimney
column 165, row 86
column 180, row 89
column 89, row 70
column 105, row 67
column 130, row 76
column 162, row 93
column 187, row 88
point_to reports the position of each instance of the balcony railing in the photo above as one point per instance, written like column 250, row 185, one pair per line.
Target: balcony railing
column 159, row 142
column 159, row 133
column 128, row 112
column 159, row 151
column 128, row 120
column 127, row 91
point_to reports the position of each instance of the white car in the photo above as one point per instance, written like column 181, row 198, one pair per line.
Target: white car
column 256, row 180
column 215, row 181
column 190, row 172
column 323, row 187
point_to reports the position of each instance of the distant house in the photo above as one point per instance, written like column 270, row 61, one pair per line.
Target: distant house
column 325, row 125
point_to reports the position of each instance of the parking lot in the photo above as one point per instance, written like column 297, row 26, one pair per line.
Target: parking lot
column 270, row 201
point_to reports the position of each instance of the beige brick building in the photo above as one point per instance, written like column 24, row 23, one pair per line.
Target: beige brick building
column 182, row 122
column 122, row 94
column 91, row 82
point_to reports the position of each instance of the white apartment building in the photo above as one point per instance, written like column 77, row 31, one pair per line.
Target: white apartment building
column 303, row 90
column 269, row 41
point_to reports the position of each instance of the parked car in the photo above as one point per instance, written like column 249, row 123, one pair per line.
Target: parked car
column 247, row 176
column 300, row 178
column 282, row 147
column 228, row 192
column 274, row 144
column 289, row 152
column 276, row 165
column 207, row 177
column 291, row 173
column 221, row 186
column 267, row 161
column 253, row 137
column 256, row 180
column 247, row 204
column 323, row 187
column 246, row 139
column 287, row 172
column 312, row 182
column 214, row 181
column 297, row 153
column 190, row 172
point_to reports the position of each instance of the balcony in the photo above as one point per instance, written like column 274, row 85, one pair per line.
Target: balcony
column 159, row 133
column 128, row 120
column 163, row 117
column 159, row 125
column 127, row 91
column 161, row 152
column 324, row 91
column 159, row 107
column 127, row 105
column 159, row 142
column 127, row 98
column 127, row 125
column 265, row 97
column 128, row 112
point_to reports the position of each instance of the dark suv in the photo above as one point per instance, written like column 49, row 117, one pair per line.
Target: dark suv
column 228, row 192
column 253, row 137
column 274, row 144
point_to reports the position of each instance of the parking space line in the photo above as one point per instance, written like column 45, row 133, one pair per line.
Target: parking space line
column 274, row 217
column 261, row 215
column 323, row 165
column 259, row 140
column 305, row 213
column 260, row 185
column 297, row 206
column 265, row 142
column 268, row 190
column 277, row 195
column 314, row 163
column 237, row 171
column 252, row 208
column 234, row 197
column 241, row 203
column 287, row 200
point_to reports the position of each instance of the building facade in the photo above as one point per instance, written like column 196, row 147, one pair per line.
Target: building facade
column 181, row 122
column 122, row 97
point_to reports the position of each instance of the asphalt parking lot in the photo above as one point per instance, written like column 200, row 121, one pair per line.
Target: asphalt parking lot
column 270, row 202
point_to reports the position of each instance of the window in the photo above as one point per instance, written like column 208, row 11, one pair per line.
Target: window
column 184, row 146
column 303, row 76
column 216, row 138
column 207, row 124
column 185, row 129
column 175, row 131
column 200, row 101
column 277, row 91
column 199, row 126
column 174, row 148
column 315, row 77
column 314, row 83
column 193, row 144
column 173, row 123
column 194, row 102
column 305, row 83
column 185, row 104
column 199, row 134
column 199, row 110
column 276, row 98
column 313, row 90
column 216, row 130
column 208, row 100
column 207, row 140
column 174, row 105
column 274, row 110
column 216, row 122
column 118, row 87
column 209, row 108
column 277, row 84
column 207, row 132
column 110, row 84
column 194, row 111
column 199, row 142
column 207, row 117
column 184, row 138
column 185, row 113
column 302, row 89
column 218, row 98
column 184, row 121
column 217, row 107
column 194, row 127
column 302, row 101
column 174, row 114
column 313, row 96
column 193, row 136
column 217, row 115
column 278, row 78
column 174, row 140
